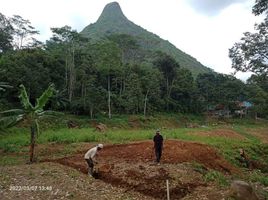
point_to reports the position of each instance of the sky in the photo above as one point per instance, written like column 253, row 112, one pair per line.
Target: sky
column 205, row 29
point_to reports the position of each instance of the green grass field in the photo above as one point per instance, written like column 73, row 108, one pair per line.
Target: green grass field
column 15, row 141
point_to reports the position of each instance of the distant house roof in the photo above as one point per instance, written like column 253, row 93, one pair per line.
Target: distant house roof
column 245, row 104
column 216, row 107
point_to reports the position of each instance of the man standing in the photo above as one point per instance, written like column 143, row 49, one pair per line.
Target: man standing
column 90, row 157
column 158, row 145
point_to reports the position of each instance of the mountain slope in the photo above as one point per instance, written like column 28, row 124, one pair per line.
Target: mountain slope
column 113, row 21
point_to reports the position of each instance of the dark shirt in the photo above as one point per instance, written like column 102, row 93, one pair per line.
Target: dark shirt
column 158, row 141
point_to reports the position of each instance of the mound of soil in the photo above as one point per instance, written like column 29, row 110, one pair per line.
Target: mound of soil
column 131, row 166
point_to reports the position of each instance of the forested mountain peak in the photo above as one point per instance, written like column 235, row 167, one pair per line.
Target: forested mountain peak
column 113, row 21
column 112, row 12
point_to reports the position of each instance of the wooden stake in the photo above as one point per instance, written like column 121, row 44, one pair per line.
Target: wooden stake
column 168, row 197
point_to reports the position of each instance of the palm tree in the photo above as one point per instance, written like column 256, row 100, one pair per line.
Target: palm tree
column 29, row 112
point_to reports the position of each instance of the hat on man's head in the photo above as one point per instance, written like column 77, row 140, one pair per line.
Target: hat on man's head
column 158, row 130
column 100, row 146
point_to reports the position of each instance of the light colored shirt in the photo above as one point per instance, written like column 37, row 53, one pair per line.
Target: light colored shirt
column 91, row 153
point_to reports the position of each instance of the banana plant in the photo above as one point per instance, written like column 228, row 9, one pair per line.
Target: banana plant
column 30, row 112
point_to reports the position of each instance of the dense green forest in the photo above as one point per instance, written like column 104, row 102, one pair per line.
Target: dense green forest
column 117, row 75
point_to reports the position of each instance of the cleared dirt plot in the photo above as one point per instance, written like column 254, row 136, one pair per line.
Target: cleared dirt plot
column 131, row 166
column 51, row 181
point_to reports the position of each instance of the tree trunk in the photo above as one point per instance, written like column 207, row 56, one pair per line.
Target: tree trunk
column 21, row 39
column 109, row 97
column 145, row 103
column 124, row 85
column 167, row 85
column 167, row 107
column 32, row 145
column 207, row 99
column 91, row 112
column 84, row 95
column 121, row 87
column 72, row 74
column 169, row 89
column 66, row 72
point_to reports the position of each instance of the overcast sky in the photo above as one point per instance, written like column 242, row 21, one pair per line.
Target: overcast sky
column 205, row 29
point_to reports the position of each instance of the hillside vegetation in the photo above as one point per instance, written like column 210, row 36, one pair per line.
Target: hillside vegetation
column 116, row 67
column 113, row 21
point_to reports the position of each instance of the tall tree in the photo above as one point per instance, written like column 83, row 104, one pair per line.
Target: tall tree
column 107, row 58
column 128, row 46
column 23, row 33
column 67, row 43
column 251, row 53
column 259, row 98
column 151, row 79
column 87, row 83
column 260, row 7
column 261, row 81
column 168, row 66
column 206, row 86
column 133, row 95
column 182, row 92
column 6, row 37
column 34, row 68
column 220, row 89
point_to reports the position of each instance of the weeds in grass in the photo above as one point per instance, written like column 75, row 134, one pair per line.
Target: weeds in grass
column 257, row 176
column 216, row 176
column 8, row 160
column 74, row 174
column 265, row 194
column 199, row 168
column 241, row 130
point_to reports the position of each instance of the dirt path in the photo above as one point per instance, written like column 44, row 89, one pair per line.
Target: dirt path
column 131, row 166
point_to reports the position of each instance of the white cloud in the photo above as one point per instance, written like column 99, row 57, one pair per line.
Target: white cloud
column 205, row 37
column 211, row 7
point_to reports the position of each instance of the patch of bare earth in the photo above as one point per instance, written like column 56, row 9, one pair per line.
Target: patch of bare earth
column 46, row 181
column 220, row 133
column 131, row 167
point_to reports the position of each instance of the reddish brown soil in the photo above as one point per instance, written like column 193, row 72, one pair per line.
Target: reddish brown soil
column 131, row 166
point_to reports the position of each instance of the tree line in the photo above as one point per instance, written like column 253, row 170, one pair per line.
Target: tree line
column 114, row 76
